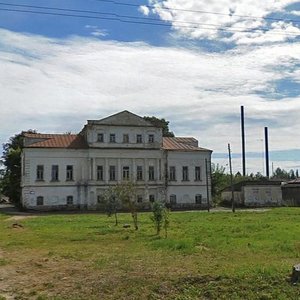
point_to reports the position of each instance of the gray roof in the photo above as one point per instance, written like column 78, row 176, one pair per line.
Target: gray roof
column 123, row 118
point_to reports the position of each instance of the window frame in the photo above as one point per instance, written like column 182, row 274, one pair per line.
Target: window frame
column 112, row 138
column 198, row 173
column 112, row 173
column 173, row 199
column 100, row 140
column 69, row 173
column 197, row 197
column 55, row 173
column 126, row 172
column 100, row 171
column 185, row 173
column 172, row 173
column 40, row 173
column 39, row 201
column 126, row 138
column 139, row 139
column 70, row 197
column 151, row 173
column 139, row 173
column 151, row 138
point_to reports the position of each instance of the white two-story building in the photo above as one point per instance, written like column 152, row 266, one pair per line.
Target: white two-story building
column 74, row 170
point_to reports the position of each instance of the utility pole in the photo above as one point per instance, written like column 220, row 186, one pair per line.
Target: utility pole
column 231, row 181
column 267, row 152
column 207, row 187
column 243, row 141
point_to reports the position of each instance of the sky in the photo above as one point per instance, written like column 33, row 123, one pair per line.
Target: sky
column 192, row 62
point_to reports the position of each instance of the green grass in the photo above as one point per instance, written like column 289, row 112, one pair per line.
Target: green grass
column 246, row 255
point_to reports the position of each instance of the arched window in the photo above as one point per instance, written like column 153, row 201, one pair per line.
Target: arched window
column 40, row 200
column 198, row 199
column 173, row 199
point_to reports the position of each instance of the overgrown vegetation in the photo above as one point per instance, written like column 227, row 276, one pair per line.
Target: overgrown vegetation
column 246, row 255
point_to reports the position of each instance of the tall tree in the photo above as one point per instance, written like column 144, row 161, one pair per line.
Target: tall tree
column 11, row 159
column 164, row 124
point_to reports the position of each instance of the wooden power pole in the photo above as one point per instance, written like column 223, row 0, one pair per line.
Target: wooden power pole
column 207, row 187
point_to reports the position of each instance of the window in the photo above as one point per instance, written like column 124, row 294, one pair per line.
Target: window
column 99, row 172
column 100, row 137
column 112, row 173
column 125, row 138
column 185, row 173
column 112, row 138
column 197, row 173
column 40, row 200
column 173, row 199
column 151, row 138
column 40, row 172
column 198, row 199
column 54, row 173
column 172, row 175
column 126, row 173
column 69, row 200
column 139, row 139
column 139, row 173
column 69, row 175
column 139, row 198
column 151, row 173
column 151, row 198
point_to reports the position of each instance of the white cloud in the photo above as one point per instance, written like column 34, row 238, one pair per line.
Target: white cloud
column 55, row 86
column 144, row 10
column 198, row 19
column 96, row 31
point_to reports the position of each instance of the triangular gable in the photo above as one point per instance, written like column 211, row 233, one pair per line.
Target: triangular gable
column 124, row 118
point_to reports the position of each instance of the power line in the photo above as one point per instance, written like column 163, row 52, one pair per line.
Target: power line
column 139, row 18
column 198, row 11
column 132, row 21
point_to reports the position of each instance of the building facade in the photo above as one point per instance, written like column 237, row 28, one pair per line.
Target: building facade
column 62, row 171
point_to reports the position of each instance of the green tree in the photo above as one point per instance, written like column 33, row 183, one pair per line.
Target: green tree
column 11, row 175
column 164, row 124
column 112, row 203
column 126, row 194
column 158, row 215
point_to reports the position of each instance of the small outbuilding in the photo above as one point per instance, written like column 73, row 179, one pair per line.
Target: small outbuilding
column 291, row 193
column 255, row 193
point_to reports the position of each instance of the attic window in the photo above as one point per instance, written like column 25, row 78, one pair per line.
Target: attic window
column 151, row 138
column 112, row 138
column 100, row 138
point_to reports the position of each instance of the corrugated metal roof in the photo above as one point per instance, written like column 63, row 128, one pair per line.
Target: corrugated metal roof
column 70, row 141
column 181, row 144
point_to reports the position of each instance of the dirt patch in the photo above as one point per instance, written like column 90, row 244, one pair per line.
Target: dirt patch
column 18, row 218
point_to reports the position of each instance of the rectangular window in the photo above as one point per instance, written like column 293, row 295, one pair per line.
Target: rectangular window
column 126, row 173
column 139, row 173
column 69, row 174
column 139, row 198
column 40, row 200
column 185, row 173
column 151, row 198
column 197, row 173
column 172, row 175
column 54, row 173
column 139, row 139
column 112, row 138
column 99, row 172
column 126, row 138
column 173, row 199
column 100, row 138
column 112, row 173
column 40, row 172
column 151, row 138
column 69, row 200
column 198, row 199
column 151, row 173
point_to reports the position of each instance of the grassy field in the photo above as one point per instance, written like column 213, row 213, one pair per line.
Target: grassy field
column 220, row 255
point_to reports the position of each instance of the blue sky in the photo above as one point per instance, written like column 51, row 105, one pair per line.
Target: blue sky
column 196, row 70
